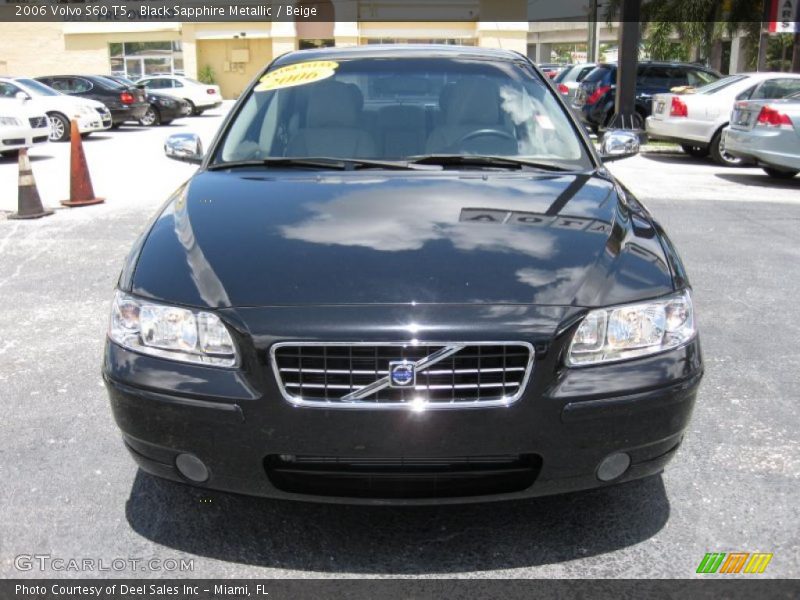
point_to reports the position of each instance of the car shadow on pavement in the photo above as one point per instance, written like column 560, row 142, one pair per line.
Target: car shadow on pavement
column 334, row 538
column 760, row 180
column 679, row 157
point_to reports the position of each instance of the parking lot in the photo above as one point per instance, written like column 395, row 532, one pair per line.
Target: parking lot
column 71, row 491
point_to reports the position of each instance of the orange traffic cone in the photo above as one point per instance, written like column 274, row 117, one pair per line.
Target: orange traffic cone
column 28, row 201
column 81, row 192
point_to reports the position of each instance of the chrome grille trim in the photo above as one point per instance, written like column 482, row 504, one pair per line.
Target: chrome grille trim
column 362, row 395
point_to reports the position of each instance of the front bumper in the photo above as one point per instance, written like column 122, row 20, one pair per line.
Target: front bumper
column 16, row 138
column 96, row 122
column 566, row 422
column 766, row 146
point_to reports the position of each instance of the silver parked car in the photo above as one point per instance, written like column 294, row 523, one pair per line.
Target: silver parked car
column 569, row 79
column 767, row 132
column 696, row 120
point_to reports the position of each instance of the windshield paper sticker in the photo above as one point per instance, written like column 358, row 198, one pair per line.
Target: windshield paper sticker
column 299, row 74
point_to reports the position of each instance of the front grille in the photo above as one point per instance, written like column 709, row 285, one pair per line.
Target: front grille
column 38, row 122
column 14, row 141
column 40, row 139
column 448, row 375
column 408, row 478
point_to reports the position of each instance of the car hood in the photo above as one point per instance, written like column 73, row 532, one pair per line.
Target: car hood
column 260, row 238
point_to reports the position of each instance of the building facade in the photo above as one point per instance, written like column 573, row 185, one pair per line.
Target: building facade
column 233, row 52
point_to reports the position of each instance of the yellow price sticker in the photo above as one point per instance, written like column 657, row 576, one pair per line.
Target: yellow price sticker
column 299, row 74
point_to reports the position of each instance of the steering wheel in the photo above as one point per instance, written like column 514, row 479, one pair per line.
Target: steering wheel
column 489, row 132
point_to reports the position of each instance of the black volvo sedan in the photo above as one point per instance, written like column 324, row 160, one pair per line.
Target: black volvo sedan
column 402, row 275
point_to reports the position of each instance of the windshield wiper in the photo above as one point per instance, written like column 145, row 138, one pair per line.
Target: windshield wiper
column 479, row 160
column 339, row 164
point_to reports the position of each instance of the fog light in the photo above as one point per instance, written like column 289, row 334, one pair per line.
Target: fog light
column 191, row 467
column 613, row 466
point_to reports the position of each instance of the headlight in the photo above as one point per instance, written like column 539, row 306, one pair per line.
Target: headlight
column 11, row 121
column 622, row 332
column 170, row 332
column 165, row 102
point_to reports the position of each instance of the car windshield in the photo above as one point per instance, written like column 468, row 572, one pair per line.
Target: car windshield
column 719, row 84
column 37, row 88
column 402, row 109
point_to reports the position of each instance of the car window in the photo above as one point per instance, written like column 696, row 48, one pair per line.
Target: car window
column 79, row 84
column 663, row 77
column 175, row 83
column 720, row 84
column 598, row 74
column 772, row 89
column 745, row 95
column 583, row 73
column 398, row 108
column 61, row 84
column 8, row 90
column 698, row 78
column 38, row 87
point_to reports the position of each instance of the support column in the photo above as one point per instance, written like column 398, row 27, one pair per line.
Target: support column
column 346, row 33
column 284, row 38
column 508, row 35
column 593, row 41
column 189, row 47
column 738, row 62
column 543, row 53
column 625, row 116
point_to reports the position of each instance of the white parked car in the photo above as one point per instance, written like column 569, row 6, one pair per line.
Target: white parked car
column 696, row 120
column 59, row 108
column 200, row 96
column 21, row 126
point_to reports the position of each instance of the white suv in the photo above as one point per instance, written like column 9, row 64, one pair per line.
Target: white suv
column 59, row 108
column 200, row 96
column 20, row 126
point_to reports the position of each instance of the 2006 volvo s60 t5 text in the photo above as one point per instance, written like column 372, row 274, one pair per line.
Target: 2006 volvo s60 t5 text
column 402, row 274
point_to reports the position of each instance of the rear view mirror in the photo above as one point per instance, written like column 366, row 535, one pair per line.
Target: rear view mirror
column 618, row 144
column 22, row 96
column 185, row 147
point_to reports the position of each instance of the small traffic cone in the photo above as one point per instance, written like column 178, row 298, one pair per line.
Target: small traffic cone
column 81, row 192
column 28, row 201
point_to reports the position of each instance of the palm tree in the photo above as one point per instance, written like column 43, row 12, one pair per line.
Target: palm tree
column 676, row 28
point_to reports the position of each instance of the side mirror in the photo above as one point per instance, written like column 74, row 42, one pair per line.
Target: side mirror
column 22, row 96
column 185, row 147
column 618, row 144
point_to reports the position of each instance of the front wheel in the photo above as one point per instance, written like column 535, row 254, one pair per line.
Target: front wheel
column 778, row 174
column 696, row 151
column 59, row 128
column 719, row 155
column 151, row 117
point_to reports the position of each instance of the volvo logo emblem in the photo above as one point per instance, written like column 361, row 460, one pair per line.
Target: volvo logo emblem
column 402, row 374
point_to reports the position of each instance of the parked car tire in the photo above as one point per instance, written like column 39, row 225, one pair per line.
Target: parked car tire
column 151, row 117
column 719, row 155
column 193, row 108
column 696, row 151
column 778, row 174
column 59, row 127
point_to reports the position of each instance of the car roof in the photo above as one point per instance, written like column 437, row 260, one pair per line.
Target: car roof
column 397, row 51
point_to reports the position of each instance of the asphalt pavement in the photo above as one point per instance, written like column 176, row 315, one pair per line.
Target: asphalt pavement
column 70, row 489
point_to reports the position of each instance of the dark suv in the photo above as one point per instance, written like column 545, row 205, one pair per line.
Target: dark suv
column 594, row 100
